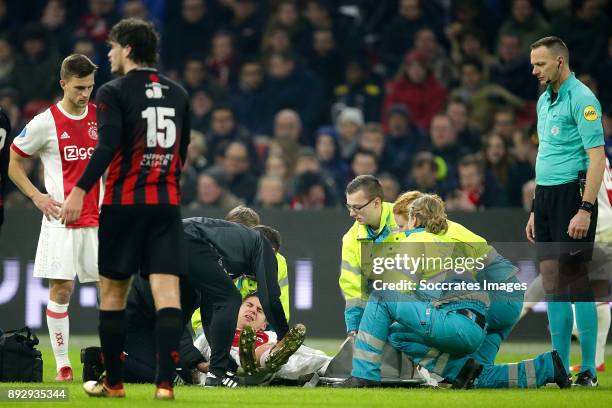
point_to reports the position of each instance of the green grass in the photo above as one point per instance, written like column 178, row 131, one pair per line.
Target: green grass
column 141, row 395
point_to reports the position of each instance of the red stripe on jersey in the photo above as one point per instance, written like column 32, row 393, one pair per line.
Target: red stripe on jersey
column 56, row 315
column 77, row 139
column 113, row 176
column 19, row 151
column 127, row 193
column 151, row 195
column 173, row 194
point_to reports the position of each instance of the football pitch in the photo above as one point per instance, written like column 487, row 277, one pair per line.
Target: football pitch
column 191, row 396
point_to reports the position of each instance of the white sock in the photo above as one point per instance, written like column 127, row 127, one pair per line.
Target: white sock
column 264, row 357
column 603, row 325
column 59, row 326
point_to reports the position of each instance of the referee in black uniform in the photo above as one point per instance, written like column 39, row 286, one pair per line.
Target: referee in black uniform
column 143, row 126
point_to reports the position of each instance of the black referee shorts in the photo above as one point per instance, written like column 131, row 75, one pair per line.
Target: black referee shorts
column 141, row 239
column 554, row 208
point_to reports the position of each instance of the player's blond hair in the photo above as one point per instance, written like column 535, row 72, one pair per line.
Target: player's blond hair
column 429, row 212
column 243, row 215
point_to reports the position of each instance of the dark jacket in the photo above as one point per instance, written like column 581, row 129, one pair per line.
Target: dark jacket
column 244, row 252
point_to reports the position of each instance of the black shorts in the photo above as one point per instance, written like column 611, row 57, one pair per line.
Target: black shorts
column 143, row 239
column 554, row 208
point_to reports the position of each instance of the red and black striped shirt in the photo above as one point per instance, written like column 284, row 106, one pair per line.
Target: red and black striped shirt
column 143, row 126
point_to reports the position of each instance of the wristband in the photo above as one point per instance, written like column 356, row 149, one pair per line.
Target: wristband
column 586, row 206
column 532, row 204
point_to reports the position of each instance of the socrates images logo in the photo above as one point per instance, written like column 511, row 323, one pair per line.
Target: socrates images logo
column 590, row 113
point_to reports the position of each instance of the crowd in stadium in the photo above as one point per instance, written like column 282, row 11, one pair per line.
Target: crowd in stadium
column 290, row 100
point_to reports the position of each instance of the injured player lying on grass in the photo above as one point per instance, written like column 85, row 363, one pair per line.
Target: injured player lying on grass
column 258, row 354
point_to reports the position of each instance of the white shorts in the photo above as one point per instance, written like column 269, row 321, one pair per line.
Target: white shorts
column 64, row 253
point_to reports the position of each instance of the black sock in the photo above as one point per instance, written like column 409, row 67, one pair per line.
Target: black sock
column 168, row 330
column 112, row 331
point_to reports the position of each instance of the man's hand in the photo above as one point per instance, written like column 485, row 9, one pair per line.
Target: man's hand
column 71, row 209
column 530, row 229
column 352, row 333
column 47, row 205
column 579, row 225
column 203, row 367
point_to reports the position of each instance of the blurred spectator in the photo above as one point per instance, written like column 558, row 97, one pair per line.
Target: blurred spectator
column 250, row 96
column 528, row 192
column 325, row 60
column 276, row 40
column 239, row 168
column 276, row 166
column 9, row 101
column 585, row 32
column 212, row 192
column 390, row 186
column 222, row 62
column 270, row 192
column 223, row 131
column 525, row 22
column 359, row 91
column 445, row 144
column 470, row 15
column 506, row 172
column 469, row 136
column 286, row 16
column 346, row 28
column 416, row 88
column 373, row 140
column 195, row 77
column 504, row 124
column 311, row 193
column 513, row 70
column 60, row 29
column 201, row 109
column 524, row 149
column 7, row 61
column 9, row 25
column 187, row 34
column 470, row 45
column 287, row 90
column 425, row 42
column 399, row 34
column 138, row 9
column 402, row 142
column 195, row 163
column 85, row 46
column 35, row 75
column 482, row 97
column 605, row 79
column 364, row 162
column 306, row 161
column 348, row 128
column 287, row 133
column 473, row 193
column 97, row 21
column 328, row 153
column 424, row 175
column 246, row 22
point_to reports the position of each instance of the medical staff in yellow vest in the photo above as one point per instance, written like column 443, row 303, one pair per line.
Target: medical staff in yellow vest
column 374, row 222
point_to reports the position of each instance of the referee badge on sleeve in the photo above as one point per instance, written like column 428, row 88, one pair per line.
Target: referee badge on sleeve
column 590, row 113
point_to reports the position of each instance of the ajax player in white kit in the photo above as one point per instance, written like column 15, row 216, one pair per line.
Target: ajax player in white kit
column 64, row 136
